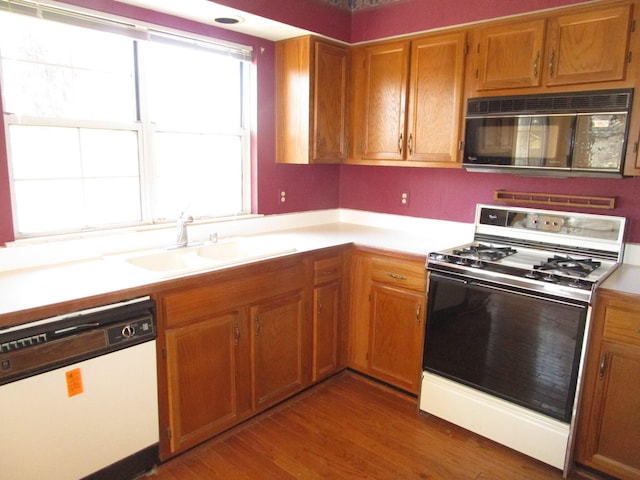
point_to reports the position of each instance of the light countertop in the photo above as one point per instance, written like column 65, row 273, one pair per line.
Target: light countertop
column 36, row 291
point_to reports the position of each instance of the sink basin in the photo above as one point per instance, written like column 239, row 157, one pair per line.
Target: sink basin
column 169, row 261
column 241, row 250
column 179, row 261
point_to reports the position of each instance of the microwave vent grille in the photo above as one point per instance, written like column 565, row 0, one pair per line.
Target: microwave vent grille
column 554, row 103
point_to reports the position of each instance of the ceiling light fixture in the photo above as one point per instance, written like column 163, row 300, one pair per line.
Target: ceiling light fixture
column 229, row 20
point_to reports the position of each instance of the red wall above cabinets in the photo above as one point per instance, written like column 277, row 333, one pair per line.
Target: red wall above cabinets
column 405, row 16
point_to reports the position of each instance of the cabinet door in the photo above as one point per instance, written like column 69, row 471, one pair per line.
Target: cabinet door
column 311, row 101
column 435, row 99
column 329, row 106
column 396, row 336
column 588, row 47
column 204, row 365
column 280, row 351
column 510, row 56
column 614, row 441
column 380, row 77
column 326, row 315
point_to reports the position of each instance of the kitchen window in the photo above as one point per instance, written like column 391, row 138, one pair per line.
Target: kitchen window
column 109, row 125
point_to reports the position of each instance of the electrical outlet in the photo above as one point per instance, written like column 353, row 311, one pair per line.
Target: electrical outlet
column 404, row 199
column 283, row 196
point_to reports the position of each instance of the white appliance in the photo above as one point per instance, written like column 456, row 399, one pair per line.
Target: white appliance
column 507, row 325
column 79, row 395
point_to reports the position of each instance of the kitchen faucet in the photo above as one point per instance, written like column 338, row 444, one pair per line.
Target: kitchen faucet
column 182, row 237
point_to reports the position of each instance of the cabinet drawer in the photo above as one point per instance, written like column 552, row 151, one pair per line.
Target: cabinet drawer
column 410, row 275
column 327, row 269
column 186, row 305
column 622, row 325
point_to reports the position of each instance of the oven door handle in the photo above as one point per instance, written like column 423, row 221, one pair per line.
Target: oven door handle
column 525, row 294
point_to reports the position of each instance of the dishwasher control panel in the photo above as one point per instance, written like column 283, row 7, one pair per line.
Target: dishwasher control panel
column 43, row 345
column 133, row 330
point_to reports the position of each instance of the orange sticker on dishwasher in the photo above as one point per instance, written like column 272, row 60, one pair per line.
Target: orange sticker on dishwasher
column 74, row 382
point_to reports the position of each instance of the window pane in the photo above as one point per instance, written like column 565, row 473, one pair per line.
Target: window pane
column 217, row 188
column 71, row 178
column 47, row 205
column 61, row 71
column 192, row 89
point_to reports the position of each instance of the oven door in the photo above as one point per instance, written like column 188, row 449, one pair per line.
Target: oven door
column 521, row 347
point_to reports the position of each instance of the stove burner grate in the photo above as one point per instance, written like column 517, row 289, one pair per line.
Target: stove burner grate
column 569, row 266
column 485, row 252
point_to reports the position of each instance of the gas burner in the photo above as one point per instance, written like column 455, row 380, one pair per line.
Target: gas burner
column 485, row 252
column 569, row 266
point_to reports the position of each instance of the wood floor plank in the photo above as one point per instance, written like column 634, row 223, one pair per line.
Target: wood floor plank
column 350, row 427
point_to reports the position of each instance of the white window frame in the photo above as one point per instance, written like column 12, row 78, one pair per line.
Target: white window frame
column 144, row 128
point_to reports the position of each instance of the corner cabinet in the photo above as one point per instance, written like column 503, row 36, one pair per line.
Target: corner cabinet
column 406, row 103
column 609, row 422
column 388, row 300
column 586, row 45
column 311, row 101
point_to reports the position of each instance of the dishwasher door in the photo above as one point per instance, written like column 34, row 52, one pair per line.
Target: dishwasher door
column 71, row 422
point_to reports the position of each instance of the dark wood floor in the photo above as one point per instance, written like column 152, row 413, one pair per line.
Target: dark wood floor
column 351, row 427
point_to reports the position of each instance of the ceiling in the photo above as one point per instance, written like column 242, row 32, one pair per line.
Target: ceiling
column 205, row 11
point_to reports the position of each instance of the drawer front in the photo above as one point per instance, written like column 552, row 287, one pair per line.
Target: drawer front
column 622, row 325
column 187, row 305
column 327, row 269
column 403, row 274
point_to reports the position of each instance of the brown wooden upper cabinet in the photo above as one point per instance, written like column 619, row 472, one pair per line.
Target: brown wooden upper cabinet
column 311, row 101
column 406, row 103
column 583, row 46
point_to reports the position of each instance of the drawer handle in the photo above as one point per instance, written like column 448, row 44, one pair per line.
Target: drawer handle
column 329, row 272
column 396, row 276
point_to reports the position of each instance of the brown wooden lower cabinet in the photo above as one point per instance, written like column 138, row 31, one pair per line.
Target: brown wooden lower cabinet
column 388, row 298
column 279, row 349
column 609, row 422
column 205, row 364
column 233, row 343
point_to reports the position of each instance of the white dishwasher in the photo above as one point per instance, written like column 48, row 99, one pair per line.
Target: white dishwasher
column 78, row 395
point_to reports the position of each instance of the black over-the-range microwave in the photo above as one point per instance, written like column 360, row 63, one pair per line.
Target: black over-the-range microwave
column 563, row 134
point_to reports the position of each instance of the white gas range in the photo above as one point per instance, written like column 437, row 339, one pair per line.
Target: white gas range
column 507, row 325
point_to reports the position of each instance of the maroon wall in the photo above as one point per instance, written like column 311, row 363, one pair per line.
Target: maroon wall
column 405, row 16
column 451, row 194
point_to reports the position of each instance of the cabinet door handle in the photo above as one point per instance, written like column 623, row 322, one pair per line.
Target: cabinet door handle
column 603, row 366
column 257, row 324
column 418, row 310
column 410, row 144
column 400, row 144
column 236, row 328
column 396, row 276
column 535, row 64
column 551, row 60
column 319, row 305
